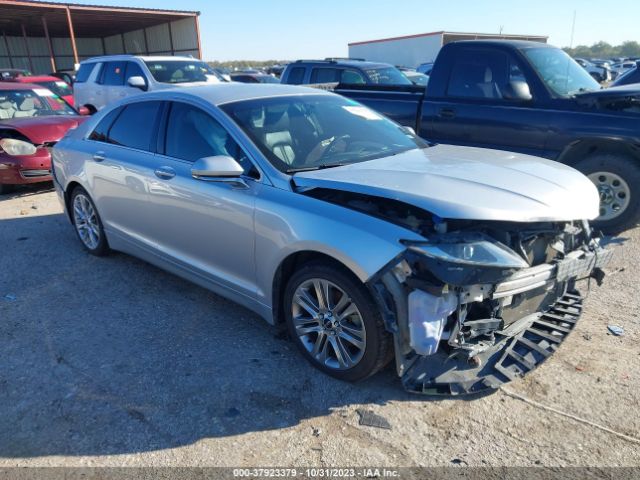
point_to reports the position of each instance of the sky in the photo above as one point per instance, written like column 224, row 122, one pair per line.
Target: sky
column 292, row 29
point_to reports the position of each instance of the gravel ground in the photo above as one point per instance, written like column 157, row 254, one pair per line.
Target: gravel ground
column 113, row 362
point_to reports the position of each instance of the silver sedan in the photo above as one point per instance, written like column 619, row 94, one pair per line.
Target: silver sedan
column 369, row 242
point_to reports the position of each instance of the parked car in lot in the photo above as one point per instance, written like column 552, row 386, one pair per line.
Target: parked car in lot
column 600, row 73
column 530, row 98
column 102, row 80
column 352, row 71
column 57, row 86
column 425, row 68
column 312, row 209
column 253, row 78
column 32, row 120
column 415, row 77
column 12, row 73
column 630, row 77
column 620, row 68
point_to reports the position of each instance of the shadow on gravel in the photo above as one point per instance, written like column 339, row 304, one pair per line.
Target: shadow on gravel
column 110, row 355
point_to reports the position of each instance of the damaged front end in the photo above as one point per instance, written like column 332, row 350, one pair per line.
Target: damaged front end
column 479, row 304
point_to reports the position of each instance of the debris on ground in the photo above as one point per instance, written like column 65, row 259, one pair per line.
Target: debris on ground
column 370, row 419
column 316, row 432
column 586, row 336
column 616, row 330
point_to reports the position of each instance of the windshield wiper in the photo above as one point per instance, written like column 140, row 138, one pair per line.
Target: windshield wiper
column 322, row 166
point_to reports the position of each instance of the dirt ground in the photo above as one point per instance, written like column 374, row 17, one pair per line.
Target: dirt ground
column 112, row 362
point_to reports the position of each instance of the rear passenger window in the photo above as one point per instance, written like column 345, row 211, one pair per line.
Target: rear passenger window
column 325, row 75
column 84, row 72
column 100, row 133
column 134, row 126
column 193, row 134
column 296, row 76
column 113, row 73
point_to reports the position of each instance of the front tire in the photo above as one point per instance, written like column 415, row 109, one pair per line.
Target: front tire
column 335, row 323
column 87, row 223
column 618, row 181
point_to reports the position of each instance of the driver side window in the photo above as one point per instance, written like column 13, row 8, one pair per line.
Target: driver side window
column 193, row 134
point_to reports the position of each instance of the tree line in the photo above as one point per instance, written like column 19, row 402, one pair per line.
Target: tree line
column 601, row 49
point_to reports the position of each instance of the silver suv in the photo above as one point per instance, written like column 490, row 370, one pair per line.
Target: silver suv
column 102, row 80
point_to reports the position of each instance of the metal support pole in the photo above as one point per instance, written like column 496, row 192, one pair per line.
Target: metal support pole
column 197, row 20
column 171, row 39
column 146, row 41
column 6, row 45
column 26, row 44
column 73, row 37
column 46, row 34
column 124, row 48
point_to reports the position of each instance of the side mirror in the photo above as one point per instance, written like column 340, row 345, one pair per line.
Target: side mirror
column 137, row 82
column 84, row 111
column 220, row 166
column 408, row 130
column 517, row 91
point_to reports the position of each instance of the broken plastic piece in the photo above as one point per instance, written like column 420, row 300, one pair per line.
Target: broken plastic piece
column 616, row 330
column 370, row 419
column 427, row 317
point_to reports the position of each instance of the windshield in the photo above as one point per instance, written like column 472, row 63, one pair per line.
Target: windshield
column 387, row 76
column 562, row 75
column 319, row 131
column 179, row 71
column 60, row 88
column 38, row 102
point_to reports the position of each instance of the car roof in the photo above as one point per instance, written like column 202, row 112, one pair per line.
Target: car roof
column 144, row 58
column 342, row 63
column 222, row 93
column 36, row 78
column 4, row 86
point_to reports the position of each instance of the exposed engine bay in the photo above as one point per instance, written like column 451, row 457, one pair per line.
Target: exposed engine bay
column 478, row 303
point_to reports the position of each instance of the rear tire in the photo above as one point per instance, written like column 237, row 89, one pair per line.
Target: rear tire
column 345, row 336
column 618, row 180
column 87, row 223
column 6, row 188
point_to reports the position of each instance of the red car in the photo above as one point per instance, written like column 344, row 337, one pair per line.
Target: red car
column 56, row 85
column 32, row 119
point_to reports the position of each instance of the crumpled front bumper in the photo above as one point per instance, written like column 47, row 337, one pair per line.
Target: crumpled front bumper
column 543, row 308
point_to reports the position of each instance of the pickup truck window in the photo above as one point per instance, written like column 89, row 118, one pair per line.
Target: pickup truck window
column 325, row 75
column 387, row 76
column 560, row 73
column 483, row 74
column 296, row 76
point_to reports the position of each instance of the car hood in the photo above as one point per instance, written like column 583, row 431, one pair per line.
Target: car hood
column 468, row 183
column 43, row 129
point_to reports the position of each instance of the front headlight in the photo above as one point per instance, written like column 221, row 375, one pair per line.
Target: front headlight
column 14, row 147
column 474, row 250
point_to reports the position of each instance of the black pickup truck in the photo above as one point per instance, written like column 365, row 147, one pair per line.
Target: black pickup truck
column 529, row 98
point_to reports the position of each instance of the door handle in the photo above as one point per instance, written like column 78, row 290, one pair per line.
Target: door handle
column 166, row 173
column 99, row 157
column 447, row 113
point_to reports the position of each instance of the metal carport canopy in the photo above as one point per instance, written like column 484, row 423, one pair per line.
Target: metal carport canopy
column 29, row 18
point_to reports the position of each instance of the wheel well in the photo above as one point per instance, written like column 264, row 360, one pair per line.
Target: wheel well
column 91, row 109
column 67, row 196
column 287, row 268
column 585, row 148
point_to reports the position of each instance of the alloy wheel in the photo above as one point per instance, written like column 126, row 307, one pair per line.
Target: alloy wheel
column 328, row 324
column 86, row 221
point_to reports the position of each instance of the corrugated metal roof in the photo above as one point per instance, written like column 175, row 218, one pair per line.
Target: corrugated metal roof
column 443, row 32
column 40, row 3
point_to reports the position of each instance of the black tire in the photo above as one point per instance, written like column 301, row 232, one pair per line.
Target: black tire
column 6, row 188
column 101, row 247
column 378, row 348
column 626, row 168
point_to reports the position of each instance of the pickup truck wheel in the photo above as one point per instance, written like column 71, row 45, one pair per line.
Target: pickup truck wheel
column 618, row 181
column 335, row 323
